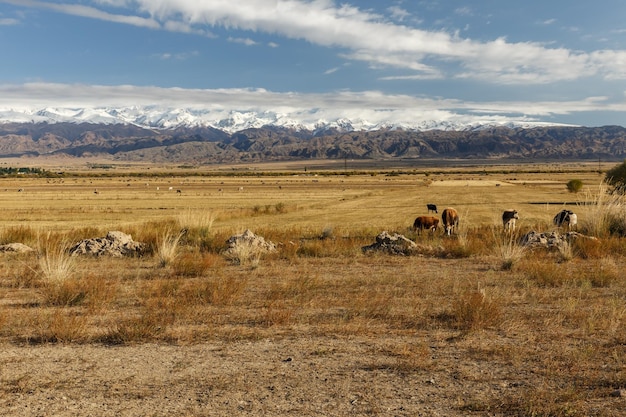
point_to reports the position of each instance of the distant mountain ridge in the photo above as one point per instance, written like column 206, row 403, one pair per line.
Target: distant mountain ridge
column 232, row 121
column 210, row 145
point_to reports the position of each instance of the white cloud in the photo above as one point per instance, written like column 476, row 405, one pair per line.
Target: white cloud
column 548, row 22
column 90, row 12
column 464, row 11
column 374, row 106
column 181, row 56
column 7, row 21
column 361, row 35
column 243, row 41
column 398, row 13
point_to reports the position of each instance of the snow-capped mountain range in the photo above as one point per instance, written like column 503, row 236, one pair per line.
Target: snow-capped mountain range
column 230, row 121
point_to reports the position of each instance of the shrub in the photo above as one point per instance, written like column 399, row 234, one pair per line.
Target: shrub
column 616, row 177
column 574, row 186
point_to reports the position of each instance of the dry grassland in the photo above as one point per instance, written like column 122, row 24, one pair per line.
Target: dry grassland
column 472, row 325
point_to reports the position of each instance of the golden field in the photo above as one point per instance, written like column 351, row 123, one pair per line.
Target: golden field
column 473, row 324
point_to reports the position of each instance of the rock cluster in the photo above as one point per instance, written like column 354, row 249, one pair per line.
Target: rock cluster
column 115, row 243
column 395, row 244
column 553, row 239
column 249, row 239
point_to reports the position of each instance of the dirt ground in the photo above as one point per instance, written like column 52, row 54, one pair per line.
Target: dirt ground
column 283, row 377
column 302, row 377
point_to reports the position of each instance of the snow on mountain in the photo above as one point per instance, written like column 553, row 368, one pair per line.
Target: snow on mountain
column 155, row 117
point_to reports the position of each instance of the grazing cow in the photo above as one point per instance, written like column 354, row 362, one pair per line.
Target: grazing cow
column 450, row 219
column 425, row 222
column 565, row 218
column 508, row 219
column 432, row 208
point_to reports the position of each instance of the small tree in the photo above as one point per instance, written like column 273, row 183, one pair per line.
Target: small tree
column 616, row 178
column 574, row 186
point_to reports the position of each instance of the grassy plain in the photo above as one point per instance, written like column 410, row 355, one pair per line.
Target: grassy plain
column 470, row 325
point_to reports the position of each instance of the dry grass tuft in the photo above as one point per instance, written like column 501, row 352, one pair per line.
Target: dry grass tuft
column 606, row 213
column 544, row 273
column 194, row 264
column 198, row 225
column 55, row 262
column 508, row 249
column 55, row 269
column 58, row 326
column 215, row 290
column 149, row 324
column 604, row 272
column 476, row 310
column 167, row 247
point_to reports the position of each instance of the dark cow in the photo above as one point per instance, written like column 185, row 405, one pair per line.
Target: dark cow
column 508, row 219
column 432, row 208
column 425, row 222
column 450, row 219
column 565, row 218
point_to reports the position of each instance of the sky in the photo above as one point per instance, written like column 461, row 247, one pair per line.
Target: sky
column 556, row 61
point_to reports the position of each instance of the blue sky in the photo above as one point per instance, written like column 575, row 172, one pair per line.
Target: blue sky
column 557, row 61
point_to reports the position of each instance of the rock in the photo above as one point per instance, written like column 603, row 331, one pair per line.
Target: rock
column 395, row 244
column 554, row 239
column 252, row 240
column 116, row 244
column 15, row 247
column 618, row 393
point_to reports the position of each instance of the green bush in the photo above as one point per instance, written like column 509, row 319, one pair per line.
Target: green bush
column 616, row 178
column 574, row 186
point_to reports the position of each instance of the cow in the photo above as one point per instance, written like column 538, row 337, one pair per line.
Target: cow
column 425, row 222
column 450, row 219
column 565, row 218
column 431, row 208
column 508, row 220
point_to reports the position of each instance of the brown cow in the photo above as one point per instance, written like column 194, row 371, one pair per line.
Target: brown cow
column 425, row 222
column 450, row 219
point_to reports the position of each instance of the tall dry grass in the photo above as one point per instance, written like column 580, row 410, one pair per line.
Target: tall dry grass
column 56, row 270
column 507, row 248
column 167, row 249
column 605, row 213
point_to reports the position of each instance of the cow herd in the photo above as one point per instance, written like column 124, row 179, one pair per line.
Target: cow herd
column 450, row 220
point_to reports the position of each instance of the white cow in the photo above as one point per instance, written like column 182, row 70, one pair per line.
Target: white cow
column 508, row 219
column 565, row 218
